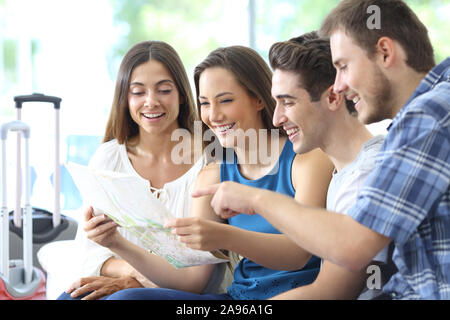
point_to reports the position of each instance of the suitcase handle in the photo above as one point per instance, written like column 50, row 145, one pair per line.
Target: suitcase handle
column 15, row 126
column 37, row 97
column 4, row 223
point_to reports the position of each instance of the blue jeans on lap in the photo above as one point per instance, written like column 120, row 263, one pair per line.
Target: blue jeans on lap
column 66, row 296
column 163, row 294
column 153, row 294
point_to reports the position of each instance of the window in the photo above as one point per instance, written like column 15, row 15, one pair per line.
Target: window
column 72, row 49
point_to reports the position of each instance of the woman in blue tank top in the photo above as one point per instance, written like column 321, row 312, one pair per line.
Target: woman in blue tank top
column 251, row 280
column 234, row 100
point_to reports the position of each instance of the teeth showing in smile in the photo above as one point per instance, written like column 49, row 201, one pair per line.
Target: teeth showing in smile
column 356, row 99
column 152, row 115
column 224, row 128
column 292, row 131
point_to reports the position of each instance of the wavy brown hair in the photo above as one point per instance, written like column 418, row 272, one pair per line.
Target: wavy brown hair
column 309, row 57
column 120, row 125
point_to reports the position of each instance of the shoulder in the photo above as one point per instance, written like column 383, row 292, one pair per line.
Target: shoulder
column 428, row 111
column 199, row 164
column 201, row 207
column 311, row 175
column 105, row 155
column 311, row 167
column 430, row 101
column 423, row 124
column 439, row 96
column 424, row 121
column 191, row 175
column 312, row 159
column 210, row 174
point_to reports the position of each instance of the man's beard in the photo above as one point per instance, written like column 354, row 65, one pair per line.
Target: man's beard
column 380, row 107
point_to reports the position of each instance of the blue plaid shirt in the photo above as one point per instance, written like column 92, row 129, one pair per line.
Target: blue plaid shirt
column 407, row 196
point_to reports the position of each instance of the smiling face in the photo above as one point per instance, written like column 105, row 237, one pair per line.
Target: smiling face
column 303, row 120
column 153, row 98
column 360, row 79
column 226, row 106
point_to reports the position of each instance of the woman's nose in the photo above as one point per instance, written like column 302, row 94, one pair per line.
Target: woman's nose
column 151, row 99
column 215, row 114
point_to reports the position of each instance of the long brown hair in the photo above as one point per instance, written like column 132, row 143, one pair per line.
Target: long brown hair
column 120, row 125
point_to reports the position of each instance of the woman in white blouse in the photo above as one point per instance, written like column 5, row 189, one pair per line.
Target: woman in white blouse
column 152, row 99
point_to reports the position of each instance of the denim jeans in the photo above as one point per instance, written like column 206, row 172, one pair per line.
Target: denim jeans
column 153, row 294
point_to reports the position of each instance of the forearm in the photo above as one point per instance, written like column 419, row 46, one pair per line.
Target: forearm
column 273, row 251
column 332, row 283
column 116, row 267
column 160, row 272
column 331, row 236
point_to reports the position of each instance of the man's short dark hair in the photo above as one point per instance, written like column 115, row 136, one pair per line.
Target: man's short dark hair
column 310, row 58
column 397, row 21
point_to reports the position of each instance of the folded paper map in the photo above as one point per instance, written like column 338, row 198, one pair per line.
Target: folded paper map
column 128, row 201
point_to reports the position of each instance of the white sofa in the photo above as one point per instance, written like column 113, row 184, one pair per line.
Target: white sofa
column 59, row 259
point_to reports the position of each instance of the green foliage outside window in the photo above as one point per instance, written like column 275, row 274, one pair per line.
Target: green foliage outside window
column 277, row 20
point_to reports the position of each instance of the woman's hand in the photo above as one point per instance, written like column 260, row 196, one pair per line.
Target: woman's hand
column 101, row 229
column 198, row 233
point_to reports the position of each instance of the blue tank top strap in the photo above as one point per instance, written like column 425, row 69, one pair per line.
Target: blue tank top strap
column 278, row 179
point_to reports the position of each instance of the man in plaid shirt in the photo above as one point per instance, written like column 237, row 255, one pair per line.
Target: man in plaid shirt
column 390, row 73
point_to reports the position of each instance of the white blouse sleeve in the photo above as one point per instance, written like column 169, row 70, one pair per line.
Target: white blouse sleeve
column 93, row 255
column 107, row 157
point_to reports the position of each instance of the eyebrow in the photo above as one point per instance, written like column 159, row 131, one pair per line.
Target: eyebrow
column 285, row 96
column 218, row 95
column 337, row 62
column 158, row 83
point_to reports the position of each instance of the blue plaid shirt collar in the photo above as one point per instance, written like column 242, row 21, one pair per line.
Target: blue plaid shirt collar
column 431, row 79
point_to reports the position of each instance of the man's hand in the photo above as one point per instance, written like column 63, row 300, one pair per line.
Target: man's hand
column 99, row 287
column 229, row 198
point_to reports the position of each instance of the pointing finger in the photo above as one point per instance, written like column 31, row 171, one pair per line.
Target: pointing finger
column 180, row 222
column 206, row 191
